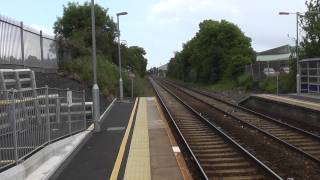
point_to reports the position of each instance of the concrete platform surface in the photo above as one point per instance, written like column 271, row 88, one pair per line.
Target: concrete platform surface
column 133, row 144
column 151, row 154
column 302, row 102
column 97, row 157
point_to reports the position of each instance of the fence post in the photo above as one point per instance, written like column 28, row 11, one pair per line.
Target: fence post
column 41, row 51
column 47, row 114
column 22, row 43
column 252, row 71
column 84, row 109
column 14, row 126
column 277, row 84
column 69, row 113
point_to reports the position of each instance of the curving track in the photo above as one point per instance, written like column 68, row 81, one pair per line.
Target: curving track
column 215, row 153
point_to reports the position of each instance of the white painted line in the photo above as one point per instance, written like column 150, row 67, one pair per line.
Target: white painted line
column 107, row 110
column 150, row 98
column 116, row 128
column 176, row 149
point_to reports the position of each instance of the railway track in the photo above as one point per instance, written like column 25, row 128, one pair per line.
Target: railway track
column 304, row 142
column 216, row 154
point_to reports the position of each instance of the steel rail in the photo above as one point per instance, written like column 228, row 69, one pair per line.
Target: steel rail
column 302, row 152
column 178, row 130
column 251, row 111
column 225, row 136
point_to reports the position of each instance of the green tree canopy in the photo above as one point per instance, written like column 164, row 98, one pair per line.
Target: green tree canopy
column 75, row 27
column 73, row 30
column 218, row 51
column 311, row 25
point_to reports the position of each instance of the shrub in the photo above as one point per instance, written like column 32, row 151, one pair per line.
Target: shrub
column 107, row 74
column 245, row 81
column 268, row 85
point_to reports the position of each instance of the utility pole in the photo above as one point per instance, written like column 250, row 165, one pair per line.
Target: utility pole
column 95, row 88
column 119, row 55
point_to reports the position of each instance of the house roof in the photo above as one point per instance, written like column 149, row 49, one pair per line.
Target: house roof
column 164, row 67
column 281, row 53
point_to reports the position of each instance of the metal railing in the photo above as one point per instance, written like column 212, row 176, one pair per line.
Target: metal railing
column 31, row 119
column 23, row 46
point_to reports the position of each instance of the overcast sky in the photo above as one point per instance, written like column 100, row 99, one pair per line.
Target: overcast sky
column 161, row 26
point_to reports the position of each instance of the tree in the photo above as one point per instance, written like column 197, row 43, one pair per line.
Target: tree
column 73, row 30
column 74, row 27
column 133, row 58
column 218, row 51
column 311, row 25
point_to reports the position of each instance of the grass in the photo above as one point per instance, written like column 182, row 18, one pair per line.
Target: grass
column 221, row 86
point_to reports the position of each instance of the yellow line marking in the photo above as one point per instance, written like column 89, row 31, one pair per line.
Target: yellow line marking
column 138, row 164
column 117, row 164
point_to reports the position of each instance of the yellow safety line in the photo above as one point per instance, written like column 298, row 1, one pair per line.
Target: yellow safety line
column 138, row 164
column 117, row 164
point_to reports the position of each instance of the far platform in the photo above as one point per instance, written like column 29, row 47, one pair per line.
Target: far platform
column 301, row 101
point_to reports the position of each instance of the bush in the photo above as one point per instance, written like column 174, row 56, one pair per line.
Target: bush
column 107, row 74
column 268, row 85
column 286, row 85
column 222, row 86
column 245, row 81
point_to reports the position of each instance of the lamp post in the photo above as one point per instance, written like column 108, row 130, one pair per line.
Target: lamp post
column 298, row 15
column 119, row 55
column 95, row 88
column 297, row 48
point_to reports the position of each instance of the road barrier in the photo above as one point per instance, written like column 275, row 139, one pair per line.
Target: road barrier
column 31, row 119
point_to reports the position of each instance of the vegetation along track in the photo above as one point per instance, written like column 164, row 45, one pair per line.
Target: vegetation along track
column 217, row 155
column 304, row 142
column 284, row 159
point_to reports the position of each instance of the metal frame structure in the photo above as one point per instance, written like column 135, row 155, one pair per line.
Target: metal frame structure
column 31, row 119
column 310, row 76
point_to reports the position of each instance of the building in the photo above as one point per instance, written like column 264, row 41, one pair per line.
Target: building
column 163, row 70
column 276, row 59
column 310, row 76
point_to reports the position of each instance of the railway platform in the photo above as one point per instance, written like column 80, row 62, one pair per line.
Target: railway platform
column 301, row 101
column 134, row 143
column 299, row 111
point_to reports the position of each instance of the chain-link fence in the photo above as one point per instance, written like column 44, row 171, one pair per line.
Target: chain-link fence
column 23, row 46
column 259, row 70
column 31, row 119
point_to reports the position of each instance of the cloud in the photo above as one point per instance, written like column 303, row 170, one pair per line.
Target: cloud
column 45, row 29
column 179, row 11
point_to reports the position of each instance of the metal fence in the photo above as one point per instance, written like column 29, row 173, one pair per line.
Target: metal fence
column 23, row 46
column 31, row 119
column 257, row 69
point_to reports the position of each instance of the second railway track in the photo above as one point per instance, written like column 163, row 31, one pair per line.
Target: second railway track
column 218, row 156
column 304, row 142
column 283, row 158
